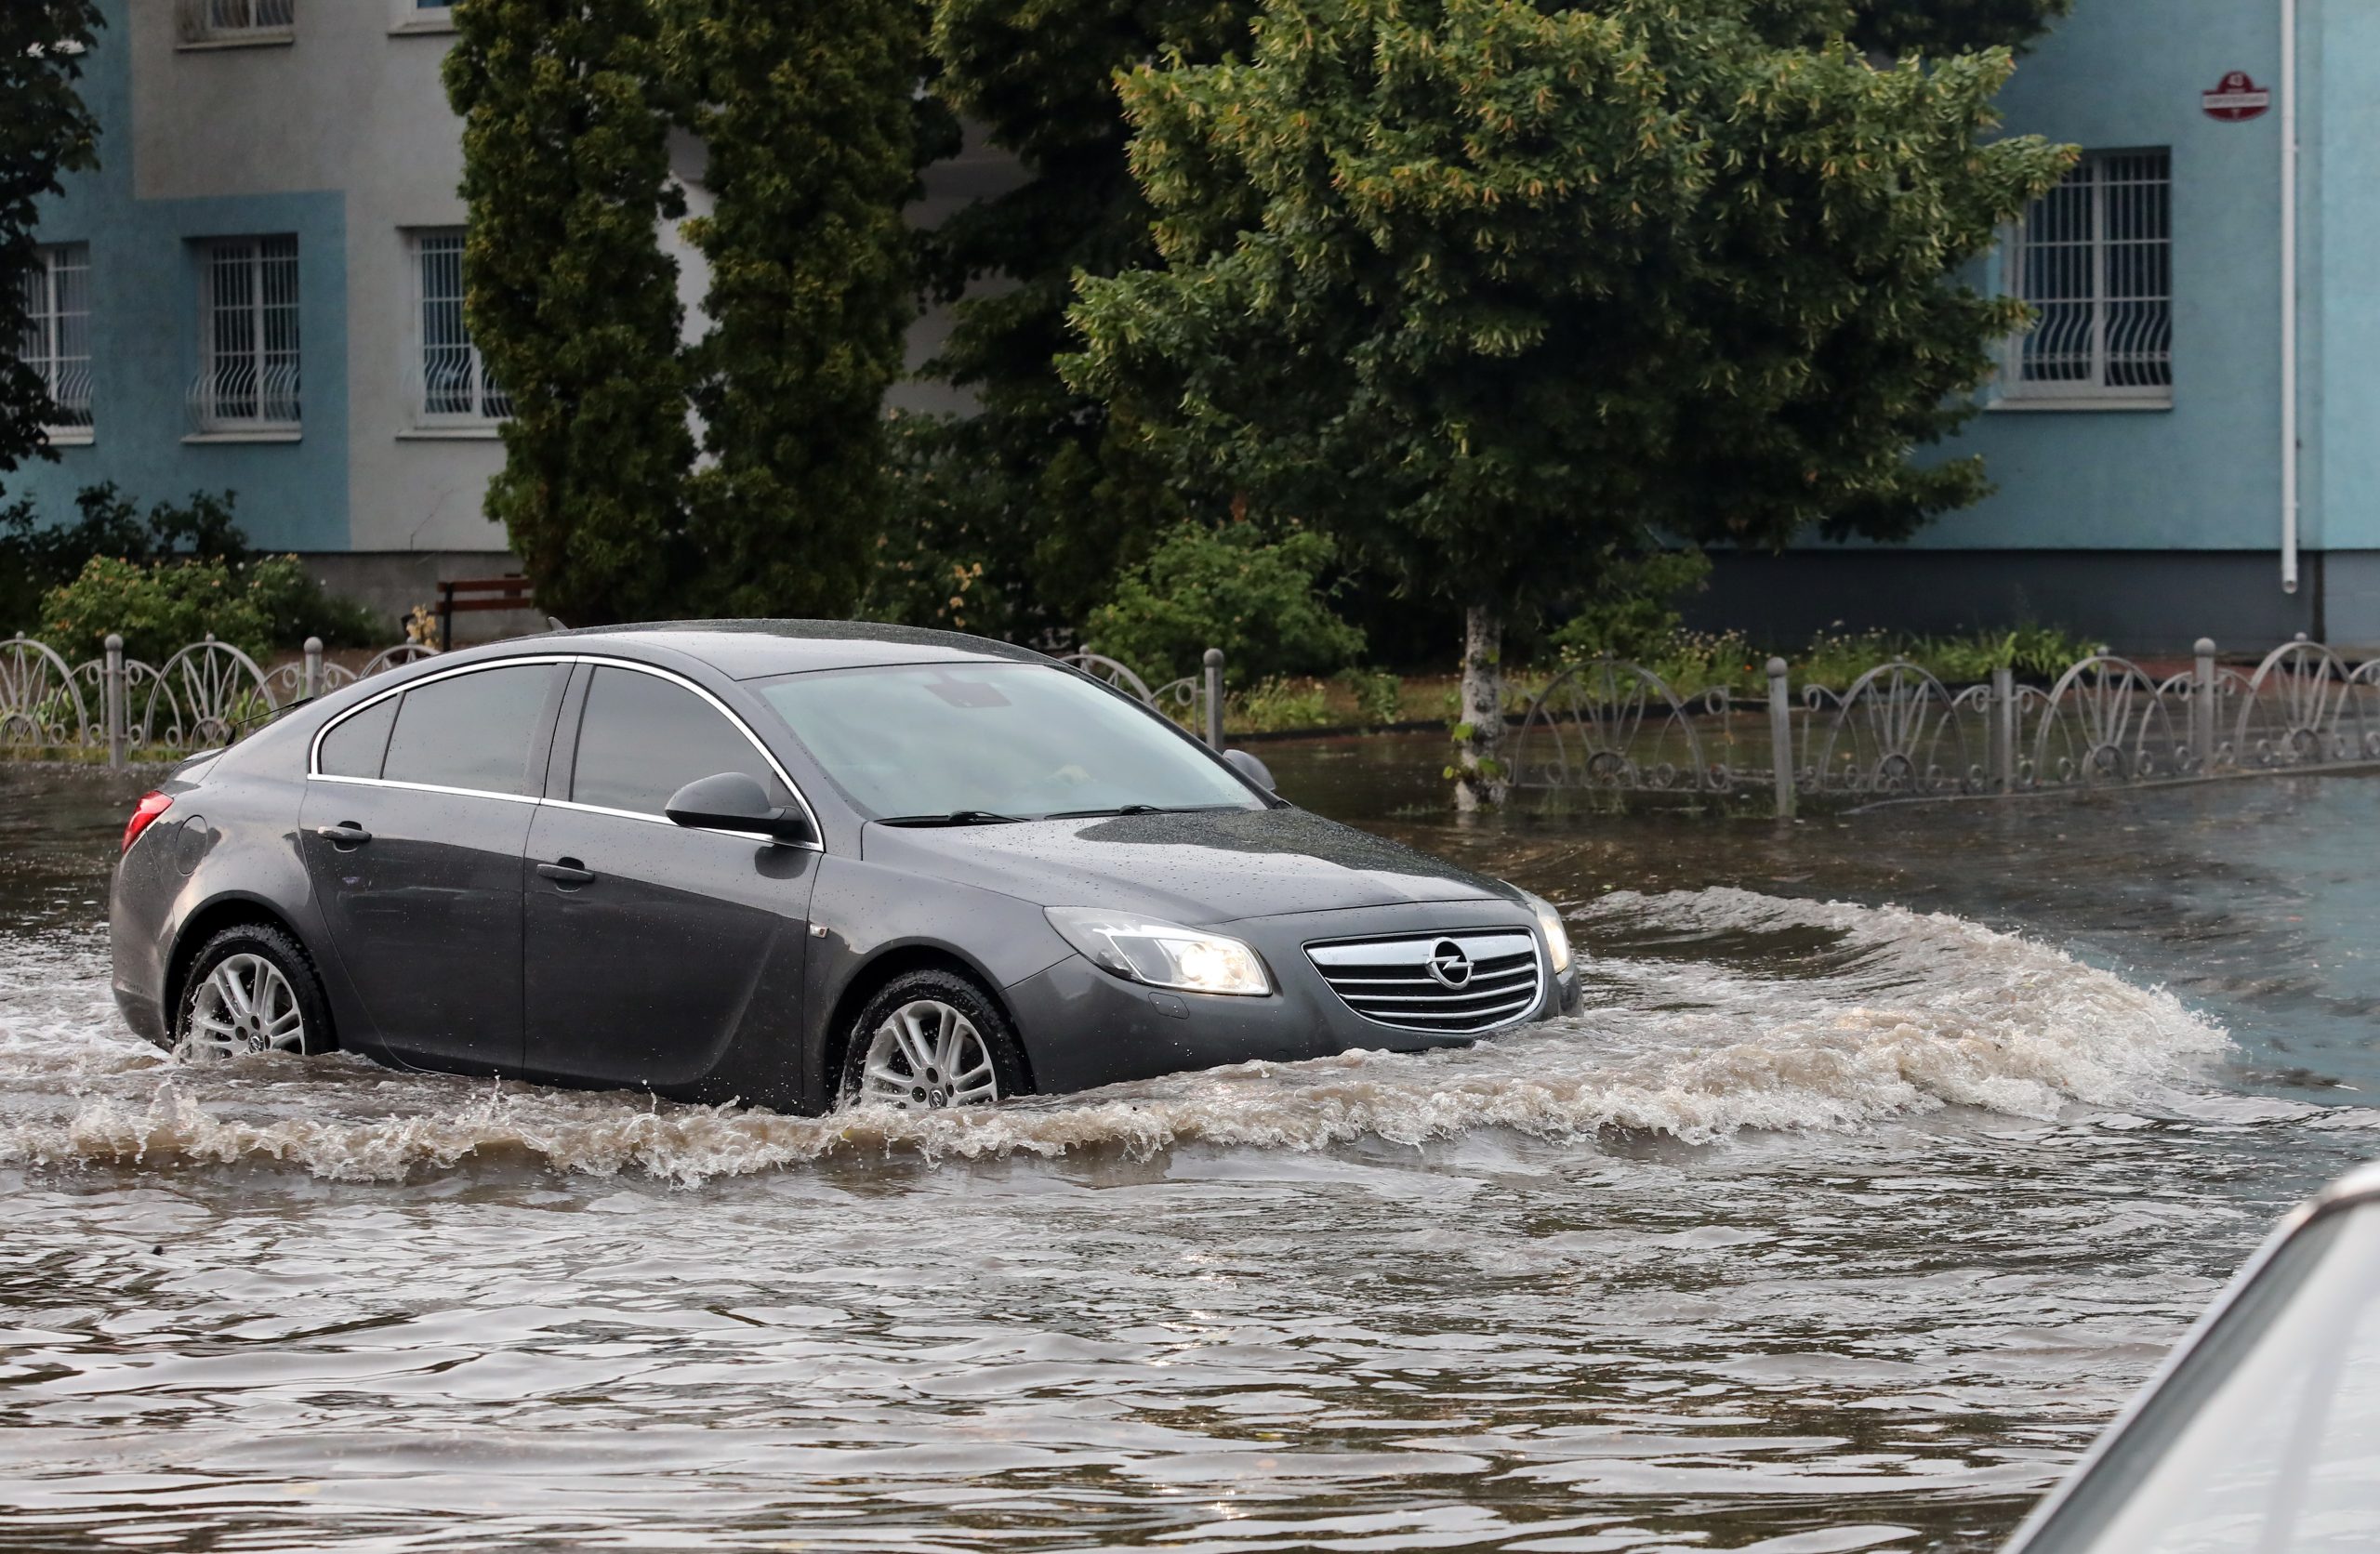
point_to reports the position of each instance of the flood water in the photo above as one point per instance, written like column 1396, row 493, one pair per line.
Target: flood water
column 1890, row 1152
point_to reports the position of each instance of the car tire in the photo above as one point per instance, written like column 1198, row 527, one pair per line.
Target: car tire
column 243, row 986
column 952, row 1013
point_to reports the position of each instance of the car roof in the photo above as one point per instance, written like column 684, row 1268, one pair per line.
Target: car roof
column 752, row 650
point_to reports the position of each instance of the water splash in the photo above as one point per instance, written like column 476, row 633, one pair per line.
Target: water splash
column 1709, row 1013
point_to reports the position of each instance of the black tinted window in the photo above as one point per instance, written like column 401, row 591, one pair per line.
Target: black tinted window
column 643, row 738
column 472, row 731
column 355, row 748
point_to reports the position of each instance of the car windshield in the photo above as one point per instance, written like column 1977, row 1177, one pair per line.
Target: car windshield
column 2268, row 1437
column 981, row 743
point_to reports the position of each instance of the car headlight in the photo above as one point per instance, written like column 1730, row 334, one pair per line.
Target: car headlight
column 1161, row 954
column 1548, row 922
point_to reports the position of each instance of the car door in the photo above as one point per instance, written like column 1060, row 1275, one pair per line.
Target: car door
column 417, row 811
column 656, row 954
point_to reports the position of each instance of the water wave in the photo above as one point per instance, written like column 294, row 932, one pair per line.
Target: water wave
column 1709, row 1013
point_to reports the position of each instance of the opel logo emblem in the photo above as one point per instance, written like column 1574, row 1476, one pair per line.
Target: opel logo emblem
column 1448, row 965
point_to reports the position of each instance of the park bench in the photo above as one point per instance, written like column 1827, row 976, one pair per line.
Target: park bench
column 477, row 593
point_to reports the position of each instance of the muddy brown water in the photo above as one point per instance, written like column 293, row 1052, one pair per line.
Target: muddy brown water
column 1889, row 1153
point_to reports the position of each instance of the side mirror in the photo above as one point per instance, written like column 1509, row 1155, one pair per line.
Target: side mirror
column 1253, row 769
column 735, row 801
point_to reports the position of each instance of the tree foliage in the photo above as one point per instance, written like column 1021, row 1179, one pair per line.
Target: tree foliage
column 567, row 113
column 45, row 130
column 805, row 110
column 1474, row 283
column 1066, row 497
column 1931, row 27
column 804, row 113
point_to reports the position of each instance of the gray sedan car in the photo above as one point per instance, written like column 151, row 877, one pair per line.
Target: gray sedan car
column 795, row 864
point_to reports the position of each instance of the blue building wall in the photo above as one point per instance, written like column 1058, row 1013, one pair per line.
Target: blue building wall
column 145, row 337
column 2151, row 527
column 2206, row 473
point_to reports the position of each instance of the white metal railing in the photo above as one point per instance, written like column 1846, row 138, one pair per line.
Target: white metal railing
column 236, row 20
column 2093, row 257
column 69, row 391
column 239, row 396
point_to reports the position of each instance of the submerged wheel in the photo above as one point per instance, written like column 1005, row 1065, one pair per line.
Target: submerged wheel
column 251, row 990
column 928, row 1041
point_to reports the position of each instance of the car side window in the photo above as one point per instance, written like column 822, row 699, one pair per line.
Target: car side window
column 642, row 738
column 472, row 731
column 356, row 746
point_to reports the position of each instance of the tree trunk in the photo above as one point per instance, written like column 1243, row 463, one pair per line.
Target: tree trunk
column 1480, row 780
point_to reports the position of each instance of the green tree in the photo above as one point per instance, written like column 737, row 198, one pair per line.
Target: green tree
column 1896, row 27
column 1475, row 284
column 806, row 113
column 567, row 107
column 1066, row 497
column 45, row 130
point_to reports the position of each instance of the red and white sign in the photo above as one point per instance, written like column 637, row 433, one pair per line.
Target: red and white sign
column 2235, row 98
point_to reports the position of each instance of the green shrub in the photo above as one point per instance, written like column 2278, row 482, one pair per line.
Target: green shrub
column 295, row 606
column 1277, row 706
column 1260, row 600
column 159, row 607
column 1632, row 611
column 1380, row 695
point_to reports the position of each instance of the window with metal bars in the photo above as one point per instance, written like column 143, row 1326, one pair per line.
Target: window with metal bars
column 248, row 357
column 2095, row 258
column 451, row 385
column 237, row 21
column 56, row 340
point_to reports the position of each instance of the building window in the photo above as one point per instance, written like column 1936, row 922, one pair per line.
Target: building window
column 450, row 381
column 56, row 342
column 206, row 22
column 248, row 362
column 2095, row 258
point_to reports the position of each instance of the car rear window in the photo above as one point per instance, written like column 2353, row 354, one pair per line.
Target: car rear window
column 355, row 747
column 472, row 732
column 642, row 738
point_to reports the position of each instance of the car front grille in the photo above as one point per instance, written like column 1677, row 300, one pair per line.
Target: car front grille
column 1391, row 980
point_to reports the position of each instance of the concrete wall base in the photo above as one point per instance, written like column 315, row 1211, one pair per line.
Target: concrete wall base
column 390, row 583
column 2139, row 601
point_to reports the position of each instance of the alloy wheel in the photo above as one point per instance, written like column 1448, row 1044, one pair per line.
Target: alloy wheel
column 246, row 1005
column 925, row 1056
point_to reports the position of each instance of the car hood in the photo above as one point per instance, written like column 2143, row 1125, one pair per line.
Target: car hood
column 1205, row 867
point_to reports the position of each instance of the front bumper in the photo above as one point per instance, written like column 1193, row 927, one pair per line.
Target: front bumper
column 1083, row 1027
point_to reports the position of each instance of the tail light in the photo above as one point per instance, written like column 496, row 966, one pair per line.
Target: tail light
column 152, row 805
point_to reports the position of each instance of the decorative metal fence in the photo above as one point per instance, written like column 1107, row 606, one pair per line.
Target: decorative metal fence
column 1898, row 732
column 1195, row 699
column 198, row 698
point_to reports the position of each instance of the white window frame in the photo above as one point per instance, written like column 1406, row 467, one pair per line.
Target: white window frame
column 235, row 23
column 410, row 15
column 489, row 408
column 250, row 348
column 60, row 272
column 2117, row 329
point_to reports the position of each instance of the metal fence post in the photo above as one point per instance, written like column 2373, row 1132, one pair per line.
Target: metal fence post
column 2203, row 706
column 2003, row 728
column 1780, row 737
column 111, row 701
column 311, row 686
column 1214, row 662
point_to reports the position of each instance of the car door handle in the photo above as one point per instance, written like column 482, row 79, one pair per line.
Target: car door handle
column 566, row 872
column 345, row 834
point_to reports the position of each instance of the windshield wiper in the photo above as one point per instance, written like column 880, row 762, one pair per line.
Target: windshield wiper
column 956, row 817
column 1111, row 809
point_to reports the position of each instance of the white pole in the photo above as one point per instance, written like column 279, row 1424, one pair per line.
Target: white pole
column 2289, row 295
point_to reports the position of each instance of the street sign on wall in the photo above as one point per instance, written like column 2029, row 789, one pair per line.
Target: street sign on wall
column 2235, row 97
